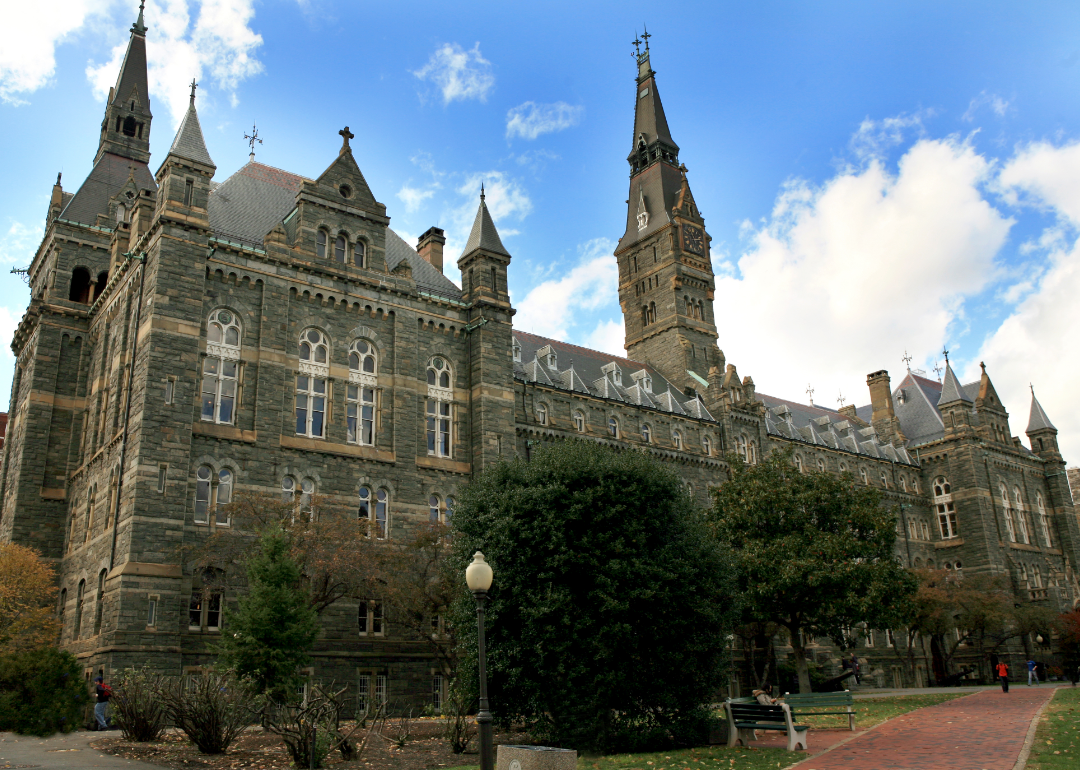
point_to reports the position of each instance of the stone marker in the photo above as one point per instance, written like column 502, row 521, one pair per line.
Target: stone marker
column 535, row 758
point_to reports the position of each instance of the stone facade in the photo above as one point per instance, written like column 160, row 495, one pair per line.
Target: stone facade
column 189, row 339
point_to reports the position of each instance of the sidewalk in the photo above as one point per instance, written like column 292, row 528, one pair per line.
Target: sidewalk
column 61, row 752
column 983, row 731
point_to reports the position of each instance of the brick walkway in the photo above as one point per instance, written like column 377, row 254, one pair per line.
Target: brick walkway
column 984, row 731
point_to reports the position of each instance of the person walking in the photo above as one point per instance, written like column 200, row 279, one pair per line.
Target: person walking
column 855, row 667
column 1003, row 675
column 1032, row 672
column 103, row 692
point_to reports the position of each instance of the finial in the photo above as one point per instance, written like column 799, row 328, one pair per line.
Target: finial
column 58, row 175
column 907, row 360
column 840, row 400
column 938, row 370
column 946, row 354
column 481, row 192
column 346, row 135
column 645, row 38
column 637, row 47
column 252, row 138
column 139, row 27
column 1032, row 389
column 810, row 392
column 982, row 365
column 194, row 85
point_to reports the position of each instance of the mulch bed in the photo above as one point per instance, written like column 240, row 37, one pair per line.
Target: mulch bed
column 426, row 748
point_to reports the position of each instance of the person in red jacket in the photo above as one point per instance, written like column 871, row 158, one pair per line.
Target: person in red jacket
column 1003, row 675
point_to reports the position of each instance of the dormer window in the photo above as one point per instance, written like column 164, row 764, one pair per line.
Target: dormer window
column 517, row 351
column 121, row 213
column 552, row 359
column 613, row 372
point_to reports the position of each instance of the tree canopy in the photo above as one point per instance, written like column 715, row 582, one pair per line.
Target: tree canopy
column 814, row 551
column 27, row 600
column 608, row 620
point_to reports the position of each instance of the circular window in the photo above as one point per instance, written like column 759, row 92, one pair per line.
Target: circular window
column 225, row 317
column 345, row 190
column 313, row 336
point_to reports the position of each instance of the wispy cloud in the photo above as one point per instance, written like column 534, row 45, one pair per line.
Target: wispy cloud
column 996, row 104
column 19, row 242
column 875, row 137
column 458, row 74
column 413, row 197
column 530, row 120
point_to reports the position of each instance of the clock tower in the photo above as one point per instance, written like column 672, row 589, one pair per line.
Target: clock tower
column 665, row 273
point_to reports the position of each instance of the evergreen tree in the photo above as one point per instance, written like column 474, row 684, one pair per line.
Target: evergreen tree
column 268, row 638
column 814, row 551
column 608, row 618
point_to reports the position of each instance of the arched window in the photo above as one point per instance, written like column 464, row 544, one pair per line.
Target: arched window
column 579, row 421
column 374, row 511
column 321, row 239
column 843, row 467
column 204, row 607
column 360, row 254
column 360, row 394
column 798, row 463
column 740, row 447
column 1009, row 525
column 1036, row 576
column 307, row 499
column 751, row 452
column 676, row 439
column 79, row 291
column 99, row 605
column 439, row 409
column 959, row 569
column 449, row 510
column 91, row 494
column 314, row 352
column 202, row 493
column 79, row 609
column 613, row 427
column 288, row 489
column 341, row 250
column 223, row 497
column 213, row 491
column 864, row 476
column 652, row 312
column 915, row 486
column 884, row 479
column 821, row 465
column 221, row 367
column 706, row 446
column 541, row 413
column 646, row 433
column 1044, row 520
column 1021, row 516
column 903, row 484
column 434, row 509
column 946, row 511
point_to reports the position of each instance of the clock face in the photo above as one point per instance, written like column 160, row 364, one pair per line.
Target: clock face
column 694, row 239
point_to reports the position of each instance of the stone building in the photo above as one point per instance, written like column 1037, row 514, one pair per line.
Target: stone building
column 188, row 339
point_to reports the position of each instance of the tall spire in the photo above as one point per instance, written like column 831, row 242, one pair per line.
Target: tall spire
column 125, row 131
column 952, row 390
column 1038, row 419
column 189, row 143
column 484, row 236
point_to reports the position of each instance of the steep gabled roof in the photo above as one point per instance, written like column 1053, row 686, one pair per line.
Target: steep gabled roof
column 484, row 235
column 189, row 143
column 1038, row 419
column 109, row 174
column 132, row 75
column 951, row 389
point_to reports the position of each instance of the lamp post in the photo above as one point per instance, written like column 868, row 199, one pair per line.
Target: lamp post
column 478, row 576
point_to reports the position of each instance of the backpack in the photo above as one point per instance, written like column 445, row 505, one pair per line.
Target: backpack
column 106, row 689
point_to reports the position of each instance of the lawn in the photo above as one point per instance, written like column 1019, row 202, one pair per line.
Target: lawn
column 867, row 713
column 1057, row 738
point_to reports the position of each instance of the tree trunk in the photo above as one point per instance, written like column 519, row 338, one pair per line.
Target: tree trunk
column 800, row 664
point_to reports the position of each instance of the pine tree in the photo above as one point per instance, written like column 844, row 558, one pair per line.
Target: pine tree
column 269, row 637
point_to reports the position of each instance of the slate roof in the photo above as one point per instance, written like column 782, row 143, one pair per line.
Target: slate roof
column 659, row 184
column 589, row 376
column 189, row 141
column 104, row 181
column 251, row 202
column 649, row 117
column 1038, row 420
column 133, row 70
column 483, row 234
column 952, row 390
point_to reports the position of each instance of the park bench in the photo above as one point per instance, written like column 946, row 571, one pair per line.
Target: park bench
column 745, row 718
column 815, row 704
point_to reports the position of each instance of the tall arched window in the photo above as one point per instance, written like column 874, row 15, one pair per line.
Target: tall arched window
column 864, row 476
column 288, row 489
column 374, row 511
column 449, row 510
column 60, row 609
column 213, row 492
column 434, row 509
column 360, row 254
column 341, row 249
column 579, row 421
column 91, row 494
column 223, row 497
column 821, row 465
column 307, row 499
column 613, row 427
column 202, row 493
column 516, row 348
column 646, row 433
column 1021, row 516
column 751, row 452
column 706, row 446
column 314, row 352
column 1044, row 520
column 79, row 609
column 321, row 240
column 884, row 479
column 1009, row 524
column 798, row 463
column 439, row 408
column 903, row 484
column 361, row 393
column 946, row 511
column 676, row 439
column 221, row 367
column 740, row 447
column 99, row 605
column 541, row 413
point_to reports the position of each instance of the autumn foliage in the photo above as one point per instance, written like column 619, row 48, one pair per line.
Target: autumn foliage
column 27, row 600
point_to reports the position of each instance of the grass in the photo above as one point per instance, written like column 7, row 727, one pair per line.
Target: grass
column 1057, row 738
column 867, row 713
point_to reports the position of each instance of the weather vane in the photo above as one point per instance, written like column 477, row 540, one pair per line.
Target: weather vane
column 252, row 138
column 194, row 85
column 945, row 353
column 840, row 400
column 907, row 360
column 938, row 370
column 810, row 392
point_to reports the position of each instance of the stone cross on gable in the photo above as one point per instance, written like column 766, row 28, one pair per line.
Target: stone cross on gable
column 810, row 392
column 840, row 400
column 938, row 370
column 346, row 135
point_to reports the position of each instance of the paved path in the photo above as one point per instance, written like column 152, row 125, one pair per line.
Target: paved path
column 983, row 731
column 61, row 752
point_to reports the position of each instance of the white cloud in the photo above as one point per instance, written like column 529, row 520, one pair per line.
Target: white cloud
column 458, row 73
column 552, row 307
column 530, row 120
column 1035, row 343
column 874, row 137
column 29, row 39
column 843, row 277
column 608, row 337
column 189, row 40
column 413, row 197
column 506, row 198
column 996, row 104
column 18, row 244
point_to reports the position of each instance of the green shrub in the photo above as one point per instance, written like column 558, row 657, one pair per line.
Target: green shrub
column 41, row 692
column 138, row 706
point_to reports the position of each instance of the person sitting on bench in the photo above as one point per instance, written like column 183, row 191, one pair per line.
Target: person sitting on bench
column 764, row 696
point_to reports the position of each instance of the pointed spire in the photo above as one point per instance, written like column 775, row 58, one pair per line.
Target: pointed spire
column 1038, row 419
column 133, row 71
column 484, row 235
column 952, row 390
column 139, row 27
column 189, row 143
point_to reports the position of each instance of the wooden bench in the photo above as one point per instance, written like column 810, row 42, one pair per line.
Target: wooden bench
column 815, row 704
column 745, row 718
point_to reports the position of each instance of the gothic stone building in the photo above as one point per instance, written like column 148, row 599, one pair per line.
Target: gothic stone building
column 188, row 339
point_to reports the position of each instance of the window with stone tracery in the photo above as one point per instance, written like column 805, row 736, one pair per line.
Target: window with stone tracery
column 440, row 408
column 946, row 511
column 1044, row 520
column 221, row 368
column 361, row 394
column 1021, row 516
column 1009, row 524
column 314, row 369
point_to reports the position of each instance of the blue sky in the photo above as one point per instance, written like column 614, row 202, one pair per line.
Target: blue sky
column 877, row 178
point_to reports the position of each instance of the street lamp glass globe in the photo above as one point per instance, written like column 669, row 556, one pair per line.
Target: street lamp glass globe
column 478, row 575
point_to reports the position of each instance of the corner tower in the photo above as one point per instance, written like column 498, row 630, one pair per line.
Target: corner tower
column 125, row 130
column 665, row 273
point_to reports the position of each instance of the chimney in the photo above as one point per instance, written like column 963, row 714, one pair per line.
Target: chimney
column 883, row 417
column 430, row 247
column 56, row 202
